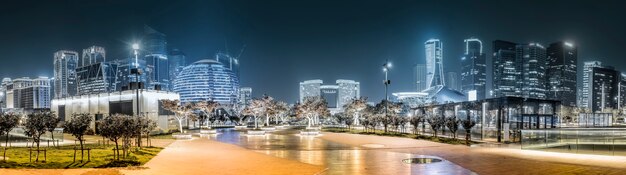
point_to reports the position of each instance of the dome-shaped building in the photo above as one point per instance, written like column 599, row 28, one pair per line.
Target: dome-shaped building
column 207, row 80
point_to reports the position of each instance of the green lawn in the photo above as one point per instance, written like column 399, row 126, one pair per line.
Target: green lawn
column 62, row 157
column 459, row 141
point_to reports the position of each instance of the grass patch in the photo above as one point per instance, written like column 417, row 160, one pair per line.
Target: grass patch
column 453, row 141
column 62, row 157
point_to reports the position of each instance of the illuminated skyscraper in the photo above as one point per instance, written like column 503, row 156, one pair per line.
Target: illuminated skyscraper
column 452, row 81
column 177, row 61
column 507, row 70
column 420, row 77
column 563, row 58
column 434, row 63
column 155, row 53
column 65, row 64
column 310, row 88
column 92, row 55
column 474, row 69
column 534, row 68
column 585, row 95
column 245, row 95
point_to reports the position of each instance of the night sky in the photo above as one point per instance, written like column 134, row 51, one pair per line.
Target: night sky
column 291, row 41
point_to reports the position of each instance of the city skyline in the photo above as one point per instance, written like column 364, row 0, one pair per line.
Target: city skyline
column 229, row 32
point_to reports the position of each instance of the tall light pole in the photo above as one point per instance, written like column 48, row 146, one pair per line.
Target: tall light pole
column 386, row 68
column 137, row 72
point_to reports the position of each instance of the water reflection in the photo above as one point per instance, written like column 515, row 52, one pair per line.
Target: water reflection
column 338, row 158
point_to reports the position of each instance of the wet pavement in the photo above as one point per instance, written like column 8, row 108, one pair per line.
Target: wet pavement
column 336, row 157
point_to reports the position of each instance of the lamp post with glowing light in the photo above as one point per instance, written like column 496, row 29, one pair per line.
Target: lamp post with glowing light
column 386, row 68
column 137, row 72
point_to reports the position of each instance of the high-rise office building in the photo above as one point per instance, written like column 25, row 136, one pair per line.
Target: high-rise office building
column 177, row 61
column 534, row 68
column 420, row 77
column 310, row 88
column 3, row 92
column 92, row 55
column 97, row 78
column 336, row 95
column 604, row 88
column 452, row 81
column 229, row 61
column 155, row 54
column 125, row 77
column 507, row 70
column 31, row 93
column 585, row 94
column 434, row 63
column 65, row 64
column 347, row 90
column 245, row 95
column 474, row 69
column 562, row 69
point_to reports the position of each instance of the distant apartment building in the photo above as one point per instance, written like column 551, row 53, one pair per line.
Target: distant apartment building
column 65, row 65
column 336, row 95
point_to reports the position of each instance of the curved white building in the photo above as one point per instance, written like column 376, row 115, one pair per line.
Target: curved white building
column 434, row 63
column 207, row 80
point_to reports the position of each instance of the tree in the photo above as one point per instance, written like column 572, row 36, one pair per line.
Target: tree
column 111, row 128
column 387, row 111
column 8, row 121
column 52, row 124
column 77, row 126
column 282, row 109
column 452, row 123
column 311, row 108
column 146, row 126
column 257, row 107
column 468, row 125
column 435, row 123
column 207, row 108
column 269, row 106
column 180, row 112
column 415, row 120
column 37, row 125
column 355, row 107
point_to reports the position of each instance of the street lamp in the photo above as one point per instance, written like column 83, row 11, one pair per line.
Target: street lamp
column 386, row 68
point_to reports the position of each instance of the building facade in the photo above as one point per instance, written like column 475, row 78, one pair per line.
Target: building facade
column 453, row 81
column 97, row 78
column 65, row 65
column 30, row 94
column 562, row 72
column 92, row 55
column 177, row 61
column 585, row 94
column 155, row 55
column 245, row 96
column 207, row 80
column 474, row 69
column 434, row 63
column 605, row 83
column 534, row 68
column 420, row 77
column 120, row 102
column 336, row 95
column 507, row 68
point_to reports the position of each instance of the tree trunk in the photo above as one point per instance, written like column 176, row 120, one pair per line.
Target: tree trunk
column 82, row 151
column 52, row 136
column 256, row 123
column 267, row 120
column 117, row 150
column 180, row 125
column 37, row 160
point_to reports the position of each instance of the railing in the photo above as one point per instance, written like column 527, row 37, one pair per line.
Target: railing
column 604, row 141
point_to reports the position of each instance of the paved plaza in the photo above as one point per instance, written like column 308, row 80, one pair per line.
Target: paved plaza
column 286, row 152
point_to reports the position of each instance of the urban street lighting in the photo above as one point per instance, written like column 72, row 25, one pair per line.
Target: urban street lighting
column 386, row 68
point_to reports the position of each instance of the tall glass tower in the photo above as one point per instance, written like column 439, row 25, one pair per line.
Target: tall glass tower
column 563, row 58
column 93, row 55
column 65, row 64
column 155, row 50
column 507, row 70
column 434, row 63
column 177, row 61
column 474, row 68
column 534, row 68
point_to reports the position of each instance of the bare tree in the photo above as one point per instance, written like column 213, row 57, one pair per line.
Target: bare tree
column 147, row 126
column 207, row 108
column 77, row 126
column 52, row 124
column 387, row 111
column 8, row 121
column 36, row 125
column 257, row 107
column 452, row 123
column 180, row 112
column 311, row 109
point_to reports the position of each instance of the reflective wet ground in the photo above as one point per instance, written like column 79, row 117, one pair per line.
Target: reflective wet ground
column 338, row 158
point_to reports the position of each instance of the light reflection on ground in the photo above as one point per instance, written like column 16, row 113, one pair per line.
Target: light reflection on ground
column 338, row 158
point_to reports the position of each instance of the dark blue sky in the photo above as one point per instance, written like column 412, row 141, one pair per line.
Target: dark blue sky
column 291, row 41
